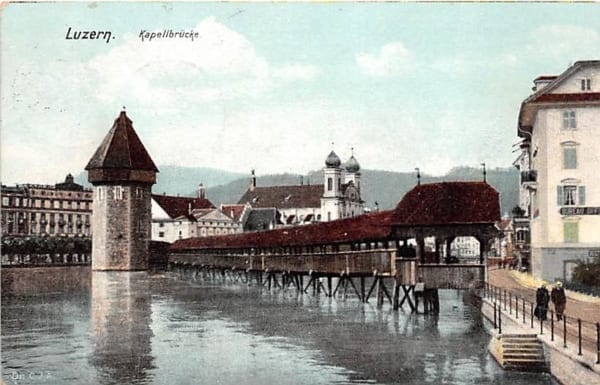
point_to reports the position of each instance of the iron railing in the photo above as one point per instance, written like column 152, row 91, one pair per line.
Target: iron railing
column 571, row 330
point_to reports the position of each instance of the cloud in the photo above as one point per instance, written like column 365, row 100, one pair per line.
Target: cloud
column 467, row 65
column 562, row 40
column 220, row 64
column 393, row 59
column 296, row 72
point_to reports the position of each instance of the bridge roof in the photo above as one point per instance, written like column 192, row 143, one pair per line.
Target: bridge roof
column 426, row 205
column 367, row 227
column 448, row 203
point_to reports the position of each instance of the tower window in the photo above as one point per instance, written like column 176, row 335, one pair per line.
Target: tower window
column 100, row 193
column 329, row 184
column 118, row 193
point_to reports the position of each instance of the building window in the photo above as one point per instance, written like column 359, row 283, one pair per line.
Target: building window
column 586, row 84
column 5, row 201
column 570, row 195
column 571, row 232
column 569, row 158
column 161, row 224
column 161, row 234
column 569, row 120
column 339, row 183
column 329, row 184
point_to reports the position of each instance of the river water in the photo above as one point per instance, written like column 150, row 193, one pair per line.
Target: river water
column 140, row 328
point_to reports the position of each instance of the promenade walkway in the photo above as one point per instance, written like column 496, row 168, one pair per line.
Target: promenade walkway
column 579, row 306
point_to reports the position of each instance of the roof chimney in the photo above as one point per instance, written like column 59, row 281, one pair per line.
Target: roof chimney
column 189, row 208
column 201, row 191
column 301, row 180
column 542, row 81
column 252, row 181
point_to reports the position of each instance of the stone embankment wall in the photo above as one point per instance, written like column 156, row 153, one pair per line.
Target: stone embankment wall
column 44, row 280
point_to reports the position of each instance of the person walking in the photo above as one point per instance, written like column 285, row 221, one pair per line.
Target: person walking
column 542, row 298
column 559, row 299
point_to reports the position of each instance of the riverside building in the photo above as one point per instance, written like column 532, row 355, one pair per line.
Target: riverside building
column 559, row 161
column 63, row 209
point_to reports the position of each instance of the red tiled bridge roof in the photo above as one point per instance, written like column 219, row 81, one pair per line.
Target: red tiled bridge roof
column 436, row 204
column 448, row 203
column 365, row 227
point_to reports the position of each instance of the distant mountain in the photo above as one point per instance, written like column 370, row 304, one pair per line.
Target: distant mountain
column 174, row 180
column 384, row 187
column 184, row 180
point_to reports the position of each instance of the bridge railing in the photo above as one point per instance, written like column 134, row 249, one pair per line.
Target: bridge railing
column 569, row 330
column 452, row 276
column 348, row 262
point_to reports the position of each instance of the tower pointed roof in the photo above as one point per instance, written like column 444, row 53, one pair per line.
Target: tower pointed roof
column 121, row 157
column 122, row 149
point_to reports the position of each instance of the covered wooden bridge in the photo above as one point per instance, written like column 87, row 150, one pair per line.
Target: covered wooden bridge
column 377, row 247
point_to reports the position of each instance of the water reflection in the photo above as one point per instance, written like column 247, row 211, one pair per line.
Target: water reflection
column 134, row 328
column 121, row 334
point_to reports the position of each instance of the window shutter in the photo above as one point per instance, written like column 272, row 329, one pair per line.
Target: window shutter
column 581, row 196
column 559, row 195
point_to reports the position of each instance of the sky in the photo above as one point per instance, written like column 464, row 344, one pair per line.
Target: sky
column 276, row 86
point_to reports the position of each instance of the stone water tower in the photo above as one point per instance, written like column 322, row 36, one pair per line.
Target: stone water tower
column 122, row 173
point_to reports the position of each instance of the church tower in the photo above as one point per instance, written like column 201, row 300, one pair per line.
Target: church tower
column 122, row 173
column 353, row 172
column 331, row 201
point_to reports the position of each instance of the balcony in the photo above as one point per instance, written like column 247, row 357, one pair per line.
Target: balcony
column 529, row 176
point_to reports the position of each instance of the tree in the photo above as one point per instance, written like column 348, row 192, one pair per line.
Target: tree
column 518, row 212
column 587, row 272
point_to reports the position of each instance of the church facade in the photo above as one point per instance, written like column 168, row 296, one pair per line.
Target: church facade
column 338, row 197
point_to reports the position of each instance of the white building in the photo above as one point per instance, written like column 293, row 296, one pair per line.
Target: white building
column 215, row 222
column 559, row 124
column 172, row 216
column 465, row 247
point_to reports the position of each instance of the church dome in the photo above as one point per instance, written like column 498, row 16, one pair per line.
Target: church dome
column 333, row 160
column 352, row 165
